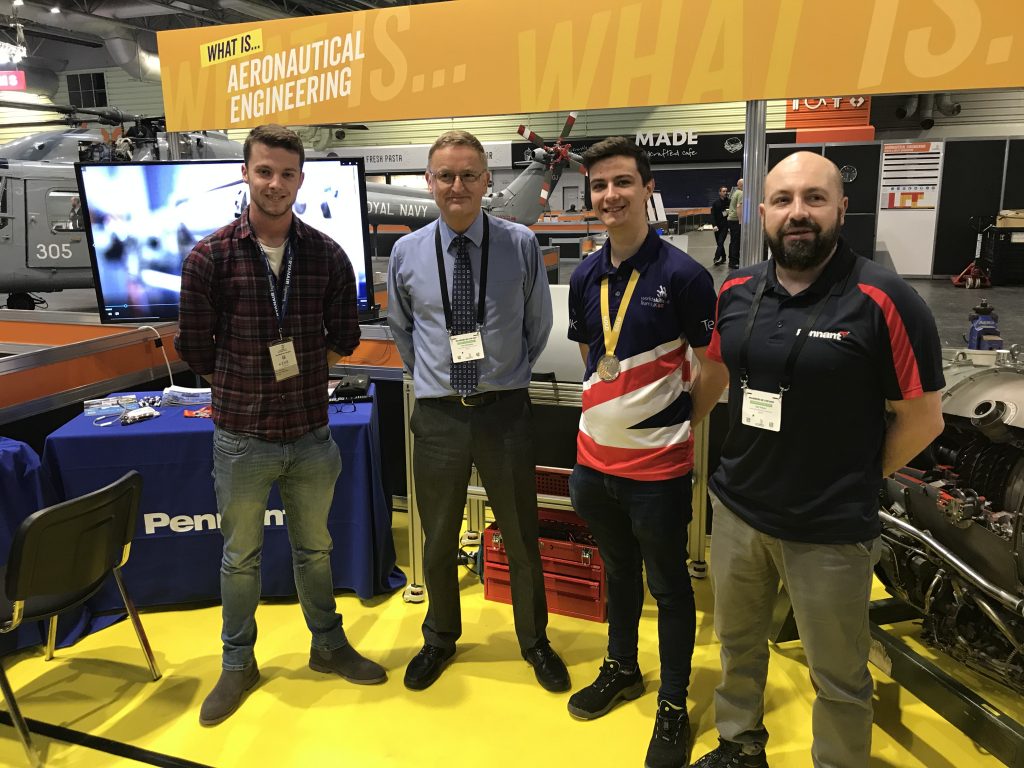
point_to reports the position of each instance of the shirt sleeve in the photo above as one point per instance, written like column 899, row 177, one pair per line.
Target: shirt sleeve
column 578, row 331
column 910, row 350
column 695, row 308
column 341, row 317
column 400, row 309
column 538, row 315
column 197, row 313
column 714, row 350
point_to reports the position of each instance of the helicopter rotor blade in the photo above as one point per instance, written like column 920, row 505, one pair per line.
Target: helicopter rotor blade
column 545, row 189
column 343, row 126
column 531, row 137
column 106, row 115
column 59, row 108
column 569, row 122
column 44, row 124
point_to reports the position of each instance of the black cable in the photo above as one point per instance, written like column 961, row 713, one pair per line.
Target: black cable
column 101, row 744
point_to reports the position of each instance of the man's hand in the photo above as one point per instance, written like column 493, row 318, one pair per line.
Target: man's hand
column 916, row 422
column 711, row 380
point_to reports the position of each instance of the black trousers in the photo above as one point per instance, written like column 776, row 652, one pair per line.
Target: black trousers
column 734, row 243
column 498, row 439
column 720, row 235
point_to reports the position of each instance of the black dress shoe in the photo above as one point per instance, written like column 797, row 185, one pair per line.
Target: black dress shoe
column 426, row 666
column 549, row 669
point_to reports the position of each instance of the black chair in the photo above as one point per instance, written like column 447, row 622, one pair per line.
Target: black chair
column 60, row 557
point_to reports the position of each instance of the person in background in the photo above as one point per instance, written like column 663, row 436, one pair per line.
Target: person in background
column 720, row 223
column 268, row 304
column 735, row 217
column 76, row 220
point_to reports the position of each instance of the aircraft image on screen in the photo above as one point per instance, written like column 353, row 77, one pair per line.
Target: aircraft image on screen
column 143, row 219
column 42, row 237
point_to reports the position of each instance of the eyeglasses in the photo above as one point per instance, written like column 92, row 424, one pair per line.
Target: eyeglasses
column 448, row 177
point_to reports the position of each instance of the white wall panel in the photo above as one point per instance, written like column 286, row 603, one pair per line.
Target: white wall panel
column 908, row 235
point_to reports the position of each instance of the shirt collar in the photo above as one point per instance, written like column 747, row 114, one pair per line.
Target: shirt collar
column 830, row 280
column 297, row 231
column 645, row 255
column 475, row 233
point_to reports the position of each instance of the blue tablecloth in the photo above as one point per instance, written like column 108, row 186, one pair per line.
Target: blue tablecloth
column 176, row 553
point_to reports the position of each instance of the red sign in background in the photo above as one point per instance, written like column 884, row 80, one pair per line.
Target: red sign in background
column 12, row 80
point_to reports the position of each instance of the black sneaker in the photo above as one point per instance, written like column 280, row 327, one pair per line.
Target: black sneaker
column 670, row 742
column 611, row 686
column 729, row 754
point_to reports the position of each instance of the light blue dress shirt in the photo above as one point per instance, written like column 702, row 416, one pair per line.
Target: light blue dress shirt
column 517, row 315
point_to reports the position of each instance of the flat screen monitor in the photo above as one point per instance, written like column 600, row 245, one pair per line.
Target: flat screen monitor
column 143, row 219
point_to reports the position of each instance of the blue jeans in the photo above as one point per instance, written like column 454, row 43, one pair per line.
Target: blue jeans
column 639, row 523
column 244, row 469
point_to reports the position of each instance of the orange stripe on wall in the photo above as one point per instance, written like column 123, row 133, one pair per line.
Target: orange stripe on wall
column 849, row 133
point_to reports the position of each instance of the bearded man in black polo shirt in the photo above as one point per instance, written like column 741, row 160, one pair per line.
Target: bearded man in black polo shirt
column 819, row 344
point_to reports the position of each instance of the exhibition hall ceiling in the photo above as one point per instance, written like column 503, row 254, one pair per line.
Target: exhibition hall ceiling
column 74, row 38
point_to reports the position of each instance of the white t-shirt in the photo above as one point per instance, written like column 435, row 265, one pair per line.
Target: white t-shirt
column 275, row 254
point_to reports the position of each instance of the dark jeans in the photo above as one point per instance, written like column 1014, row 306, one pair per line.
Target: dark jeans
column 734, row 243
column 720, row 235
column 498, row 439
column 641, row 523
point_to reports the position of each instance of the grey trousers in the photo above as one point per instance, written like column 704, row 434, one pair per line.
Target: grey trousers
column 829, row 586
column 498, row 438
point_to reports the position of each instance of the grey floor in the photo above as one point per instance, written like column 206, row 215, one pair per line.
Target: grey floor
column 949, row 304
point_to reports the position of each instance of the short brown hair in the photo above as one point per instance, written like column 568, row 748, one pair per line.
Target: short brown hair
column 619, row 146
column 274, row 135
column 457, row 139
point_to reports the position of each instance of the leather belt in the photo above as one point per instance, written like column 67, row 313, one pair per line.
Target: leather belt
column 480, row 398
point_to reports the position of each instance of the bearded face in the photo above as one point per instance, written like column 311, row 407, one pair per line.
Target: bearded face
column 801, row 244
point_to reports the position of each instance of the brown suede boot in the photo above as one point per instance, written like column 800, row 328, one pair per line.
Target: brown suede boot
column 227, row 694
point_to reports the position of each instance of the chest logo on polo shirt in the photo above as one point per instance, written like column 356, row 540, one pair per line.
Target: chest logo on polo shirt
column 658, row 300
column 830, row 335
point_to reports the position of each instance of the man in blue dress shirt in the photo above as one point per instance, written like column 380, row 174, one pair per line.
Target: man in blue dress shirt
column 470, row 310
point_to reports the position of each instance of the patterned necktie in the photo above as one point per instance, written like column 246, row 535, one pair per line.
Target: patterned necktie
column 464, row 375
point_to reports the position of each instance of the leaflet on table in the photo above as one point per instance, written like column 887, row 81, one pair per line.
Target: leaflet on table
column 104, row 405
column 188, row 396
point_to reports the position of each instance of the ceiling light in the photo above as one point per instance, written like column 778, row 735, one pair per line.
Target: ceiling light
column 55, row 9
column 18, row 3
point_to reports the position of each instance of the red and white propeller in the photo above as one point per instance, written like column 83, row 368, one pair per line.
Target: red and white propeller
column 555, row 156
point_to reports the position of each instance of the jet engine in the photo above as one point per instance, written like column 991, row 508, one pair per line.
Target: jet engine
column 953, row 523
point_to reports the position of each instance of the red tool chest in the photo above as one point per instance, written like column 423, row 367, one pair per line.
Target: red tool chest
column 574, row 577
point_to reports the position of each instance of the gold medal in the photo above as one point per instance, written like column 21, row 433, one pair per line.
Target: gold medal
column 608, row 368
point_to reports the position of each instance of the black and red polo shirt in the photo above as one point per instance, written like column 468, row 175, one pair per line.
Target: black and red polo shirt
column 638, row 426
column 817, row 479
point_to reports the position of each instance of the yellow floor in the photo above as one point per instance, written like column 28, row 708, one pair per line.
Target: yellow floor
column 486, row 710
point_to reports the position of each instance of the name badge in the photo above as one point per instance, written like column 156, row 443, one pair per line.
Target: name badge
column 282, row 357
column 467, row 346
column 762, row 410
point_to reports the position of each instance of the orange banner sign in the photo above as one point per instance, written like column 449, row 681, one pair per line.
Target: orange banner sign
column 481, row 57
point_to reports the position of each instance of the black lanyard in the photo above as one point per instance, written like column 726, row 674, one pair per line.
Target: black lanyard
column 280, row 310
column 483, row 276
column 787, row 375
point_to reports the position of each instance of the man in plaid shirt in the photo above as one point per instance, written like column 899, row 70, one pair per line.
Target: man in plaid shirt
column 268, row 304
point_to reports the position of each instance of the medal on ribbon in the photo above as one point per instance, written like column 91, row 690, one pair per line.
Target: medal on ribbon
column 609, row 367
